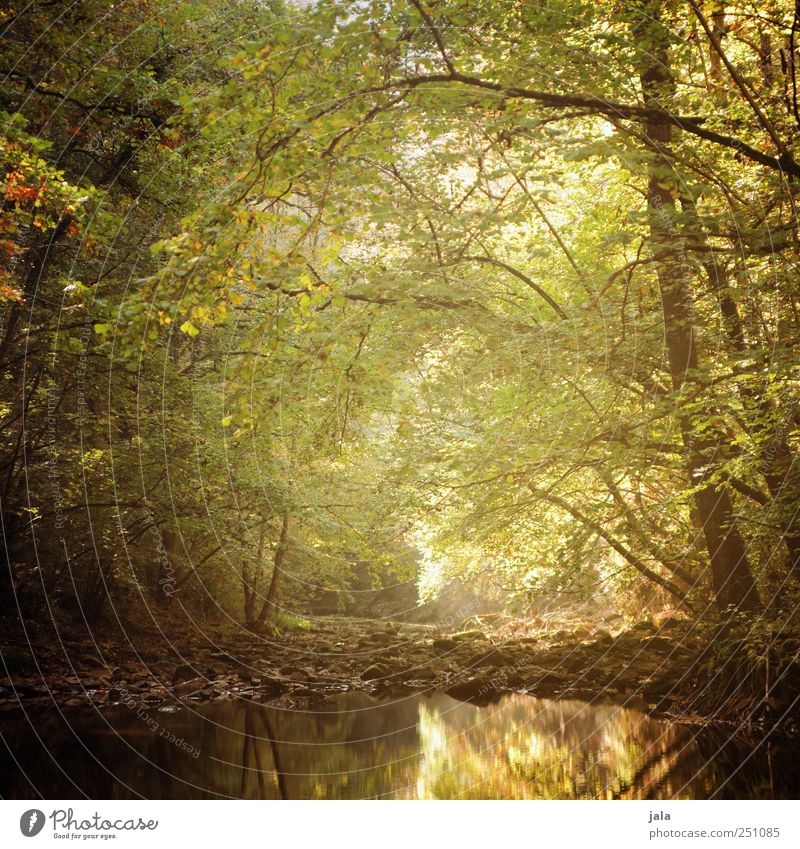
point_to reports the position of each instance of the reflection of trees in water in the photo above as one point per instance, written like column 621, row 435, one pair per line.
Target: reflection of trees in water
column 417, row 746
column 368, row 750
column 538, row 749
column 558, row 750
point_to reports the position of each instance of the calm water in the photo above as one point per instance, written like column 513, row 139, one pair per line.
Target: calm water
column 354, row 746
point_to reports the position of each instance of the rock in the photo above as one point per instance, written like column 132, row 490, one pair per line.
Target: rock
column 305, row 692
column 424, row 673
column 22, row 688
column 573, row 661
column 298, row 675
column 656, row 688
column 660, row 644
column 189, row 686
column 117, row 675
column 513, row 679
column 207, row 694
column 476, row 690
column 271, row 687
column 544, row 678
column 377, row 670
column 495, row 657
column 95, row 684
column 628, row 638
column 669, row 621
column 184, row 672
column 17, row 660
column 471, row 634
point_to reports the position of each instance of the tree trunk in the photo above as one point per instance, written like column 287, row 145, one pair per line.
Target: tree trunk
column 268, row 608
column 34, row 266
column 250, row 576
column 777, row 459
column 731, row 578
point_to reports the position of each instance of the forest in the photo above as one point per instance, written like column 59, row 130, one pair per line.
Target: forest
column 465, row 326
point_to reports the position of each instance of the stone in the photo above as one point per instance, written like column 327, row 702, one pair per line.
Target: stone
column 656, row 688
column 22, row 688
column 424, row 673
column 298, row 675
column 659, row 644
column 377, row 670
column 207, row 694
column 470, row 634
column 544, row 677
column 271, row 687
column 305, row 692
column 117, row 675
column 493, row 658
column 477, row 690
column 184, row 672
column 668, row 622
column 190, row 686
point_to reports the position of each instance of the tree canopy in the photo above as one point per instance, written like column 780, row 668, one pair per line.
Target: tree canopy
column 305, row 299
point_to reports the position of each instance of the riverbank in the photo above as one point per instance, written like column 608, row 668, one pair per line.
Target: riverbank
column 670, row 670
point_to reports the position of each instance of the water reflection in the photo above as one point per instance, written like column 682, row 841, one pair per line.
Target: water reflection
column 354, row 747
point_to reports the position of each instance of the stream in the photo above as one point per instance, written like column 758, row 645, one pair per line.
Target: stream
column 354, row 746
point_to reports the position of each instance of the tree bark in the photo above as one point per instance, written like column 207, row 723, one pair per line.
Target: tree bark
column 731, row 578
column 268, row 608
column 776, row 456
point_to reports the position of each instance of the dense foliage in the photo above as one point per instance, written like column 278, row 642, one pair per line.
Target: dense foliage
column 306, row 299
